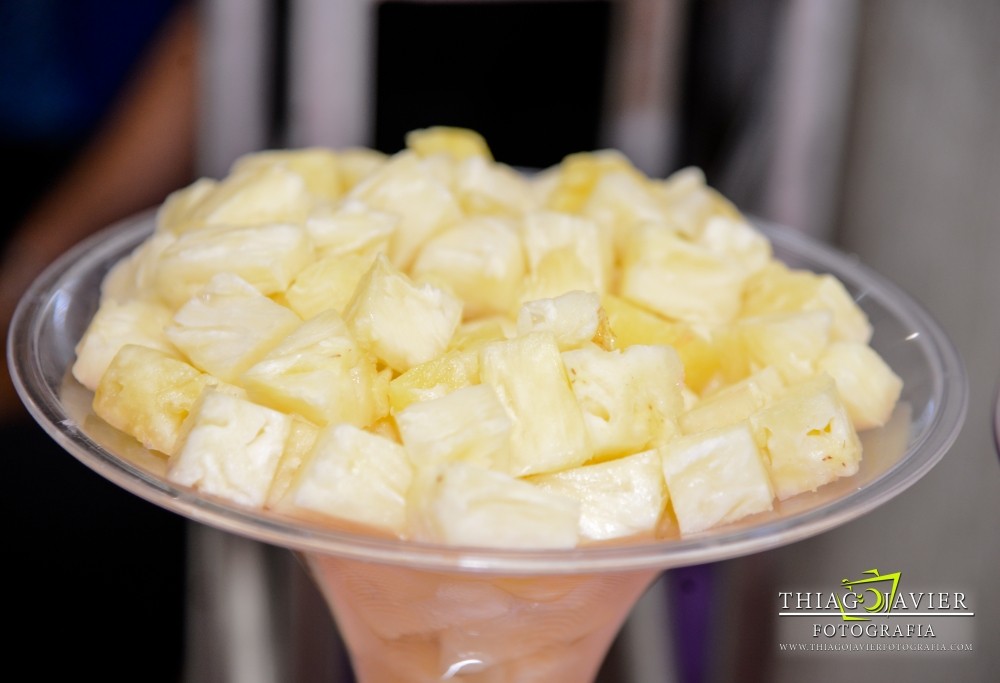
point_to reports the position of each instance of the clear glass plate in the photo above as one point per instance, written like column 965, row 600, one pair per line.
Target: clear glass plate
column 54, row 313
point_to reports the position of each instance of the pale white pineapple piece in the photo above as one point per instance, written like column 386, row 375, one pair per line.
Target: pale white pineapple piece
column 230, row 447
column 317, row 167
column 715, row 477
column 621, row 200
column 425, row 206
column 464, row 504
column 357, row 476
column 350, row 227
column 319, row 372
column 229, row 326
column 737, row 238
column 486, row 188
column 866, row 383
column 789, row 342
column 402, row 323
column 559, row 271
column 691, row 203
column 133, row 276
column 544, row 232
column 357, row 163
column 574, row 319
column 148, row 394
column 574, row 179
column 680, row 279
column 457, row 143
column 733, row 403
column 301, row 439
column 176, row 214
column 618, row 498
column 435, row 378
column 258, row 196
column 807, row 438
column 629, row 399
column 267, row 256
column 327, row 284
column 478, row 259
column 468, row 424
column 112, row 327
column 528, row 375
column 778, row 289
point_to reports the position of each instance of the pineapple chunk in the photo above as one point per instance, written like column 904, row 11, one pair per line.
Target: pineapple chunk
column 257, row 196
column 175, row 214
column 424, row 205
column 529, row 377
column 229, row 326
column 327, row 284
column 317, row 167
column 267, row 256
column 434, row 378
column 468, row 424
column 545, row 232
column 715, row 477
column 574, row 319
column 403, row 324
column 230, row 448
column 680, row 279
column 619, row 201
column 479, row 260
column 301, row 440
column 355, row 475
column 484, row 188
column 696, row 348
column 458, row 143
column 738, row 239
column 733, row 403
column 148, row 394
column 112, row 327
column 629, row 398
column 474, row 333
column 867, row 385
column 777, row 289
column 579, row 174
column 350, row 227
column 807, row 438
column 357, row 163
column 133, row 277
column 559, row 271
column 790, row 342
column 691, row 203
column 464, row 504
column 618, row 498
column 319, row 372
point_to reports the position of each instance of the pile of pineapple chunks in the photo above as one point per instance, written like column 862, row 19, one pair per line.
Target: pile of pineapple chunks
column 434, row 346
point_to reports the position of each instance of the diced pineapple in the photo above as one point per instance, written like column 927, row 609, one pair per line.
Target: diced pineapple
column 354, row 164
column 691, row 203
column 621, row 200
column 175, row 215
column 618, row 498
column 301, row 440
column 258, row 196
column 134, row 276
column 679, row 279
column 485, row 188
column 474, row 333
column 867, row 385
column 316, row 166
column 559, row 271
column 696, row 348
column 148, row 394
column 230, row 448
column 529, row 377
column 738, row 239
column 778, row 289
column 229, row 326
column 327, row 284
column 355, row 475
column 480, row 260
column 574, row 319
column 112, row 327
column 790, row 342
column 434, row 378
column 545, row 232
column 319, row 372
column 578, row 174
column 467, row 505
column 715, row 477
column 468, row 424
column 350, row 227
column 424, row 205
column 807, row 438
column 267, row 256
column 458, row 143
column 402, row 323
column 629, row 398
column 733, row 403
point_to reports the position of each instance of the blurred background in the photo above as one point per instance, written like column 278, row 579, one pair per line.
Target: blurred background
column 871, row 125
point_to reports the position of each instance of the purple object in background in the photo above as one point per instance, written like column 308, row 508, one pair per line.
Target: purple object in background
column 690, row 591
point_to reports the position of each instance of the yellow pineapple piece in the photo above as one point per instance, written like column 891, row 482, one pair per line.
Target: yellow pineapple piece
column 133, row 278
column 458, row 143
column 691, row 203
column 402, row 323
column 733, row 403
column 546, row 232
column 528, row 375
column 491, row 189
column 621, row 200
column 807, row 438
column 354, row 164
column 574, row 319
column 434, row 378
column 474, row 333
column 715, row 477
column 319, row 372
column 148, row 394
column 558, row 272
column 176, row 214
column 617, row 498
column 737, row 239
column 790, row 342
column 327, row 284
column 230, row 447
column 867, row 385
column 262, row 195
column 479, row 260
column 301, row 439
column 629, row 399
column 579, row 173
column 350, row 227
column 229, row 326
column 316, row 166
